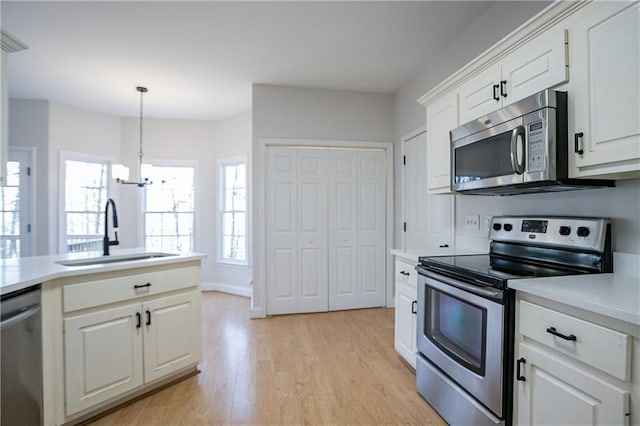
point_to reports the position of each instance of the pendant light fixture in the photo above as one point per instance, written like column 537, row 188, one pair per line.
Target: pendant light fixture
column 120, row 172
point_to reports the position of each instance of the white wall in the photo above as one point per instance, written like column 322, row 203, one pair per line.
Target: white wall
column 233, row 139
column 29, row 127
column 288, row 112
column 495, row 23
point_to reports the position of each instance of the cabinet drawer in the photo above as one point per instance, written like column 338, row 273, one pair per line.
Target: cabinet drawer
column 406, row 273
column 600, row 347
column 116, row 289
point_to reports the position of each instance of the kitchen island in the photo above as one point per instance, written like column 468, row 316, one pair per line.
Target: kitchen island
column 113, row 327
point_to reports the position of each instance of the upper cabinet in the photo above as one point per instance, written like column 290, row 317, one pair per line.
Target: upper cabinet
column 8, row 44
column 605, row 59
column 442, row 117
column 537, row 65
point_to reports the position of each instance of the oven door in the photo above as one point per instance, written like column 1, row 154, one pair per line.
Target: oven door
column 491, row 158
column 461, row 331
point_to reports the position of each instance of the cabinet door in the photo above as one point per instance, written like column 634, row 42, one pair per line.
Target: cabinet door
column 442, row 117
column 172, row 334
column 103, row 356
column 605, row 58
column 539, row 64
column 557, row 392
column 480, row 95
column 405, row 322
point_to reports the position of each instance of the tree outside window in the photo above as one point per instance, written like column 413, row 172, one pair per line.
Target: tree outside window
column 233, row 211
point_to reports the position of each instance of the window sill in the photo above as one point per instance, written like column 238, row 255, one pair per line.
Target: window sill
column 225, row 262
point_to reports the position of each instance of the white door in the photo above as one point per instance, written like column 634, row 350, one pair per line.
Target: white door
column 171, row 334
column 556, row 392
column 605, row 57
column 296, row 257
column 103, row 356
column 343, row 230
column 428, row 217
column 15, row 214
column 371, row 222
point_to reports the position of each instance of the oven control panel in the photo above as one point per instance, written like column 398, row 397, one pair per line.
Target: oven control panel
column 574, row 232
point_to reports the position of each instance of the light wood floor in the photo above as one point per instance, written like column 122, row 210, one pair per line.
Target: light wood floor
column 325, row 368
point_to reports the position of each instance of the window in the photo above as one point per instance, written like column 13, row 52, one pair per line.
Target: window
column 10, row 212
column 85, row 196
column 233, row 211
column 169, row 209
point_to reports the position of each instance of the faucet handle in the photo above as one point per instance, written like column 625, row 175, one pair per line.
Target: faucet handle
column 115, row 242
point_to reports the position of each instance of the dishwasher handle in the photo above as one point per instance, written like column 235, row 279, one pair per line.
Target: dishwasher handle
column 20, row 315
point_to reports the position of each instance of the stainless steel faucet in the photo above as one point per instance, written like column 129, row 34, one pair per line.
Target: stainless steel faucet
column 105, row 242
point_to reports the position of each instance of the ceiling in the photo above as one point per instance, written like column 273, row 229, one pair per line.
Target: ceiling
column 199, row 59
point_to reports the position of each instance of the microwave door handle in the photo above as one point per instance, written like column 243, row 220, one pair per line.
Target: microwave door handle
column 517, row 163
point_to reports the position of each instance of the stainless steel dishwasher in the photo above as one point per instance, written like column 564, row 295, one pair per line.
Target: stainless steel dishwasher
column 21, row 358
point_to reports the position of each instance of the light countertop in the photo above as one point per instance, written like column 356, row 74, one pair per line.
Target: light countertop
column 23, row 272
column 613, row 295
column 413, row 255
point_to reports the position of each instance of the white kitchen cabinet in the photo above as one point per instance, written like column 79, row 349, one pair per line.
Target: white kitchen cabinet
column 605, row 61
column 111, row 351
column 554, row 391
column 172, row 333
column 103, row 356
column 406, row 311
column 442, row 117
column 537, row 65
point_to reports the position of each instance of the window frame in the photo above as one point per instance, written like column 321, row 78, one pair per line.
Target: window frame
column 221, row 164
column 62, row 212
column 196, row 199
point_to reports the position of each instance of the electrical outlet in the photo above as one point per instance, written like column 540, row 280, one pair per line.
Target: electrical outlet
column 472, row 222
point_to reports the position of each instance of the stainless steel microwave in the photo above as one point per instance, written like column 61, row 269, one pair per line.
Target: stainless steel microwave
column 521, row 148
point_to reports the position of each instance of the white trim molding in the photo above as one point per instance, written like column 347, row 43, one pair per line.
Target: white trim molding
column 227, row 288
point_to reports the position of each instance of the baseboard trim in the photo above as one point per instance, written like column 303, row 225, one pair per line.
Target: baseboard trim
column 227, row 288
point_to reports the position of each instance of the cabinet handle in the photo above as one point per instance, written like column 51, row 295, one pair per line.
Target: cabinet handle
column 138, row 320
column 137, row 286
column 148, row 317
column 414, row 307
column 519, row 375
column 571, row 337
column 495, row 92
column 444, row 245
column 503, row 88
column 405, row 273
column 576, row 143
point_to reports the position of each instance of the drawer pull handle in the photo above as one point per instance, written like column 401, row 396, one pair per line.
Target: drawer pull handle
column 552, row 330
column 519, row 375
column 148, row 317
column 405, row 273
column 138, row 320
column 576, row 143
column 414, row 307
column 137, row 286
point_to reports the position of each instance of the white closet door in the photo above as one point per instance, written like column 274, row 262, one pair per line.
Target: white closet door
column 371, row 228
column 296, row 231
column 343, row 230
column 312, row 236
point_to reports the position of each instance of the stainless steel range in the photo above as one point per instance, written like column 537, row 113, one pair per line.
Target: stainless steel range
column 466, row 310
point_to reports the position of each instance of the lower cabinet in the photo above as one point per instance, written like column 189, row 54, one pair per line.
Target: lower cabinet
column 406, row 311
column 111, row 351
column 552, row 390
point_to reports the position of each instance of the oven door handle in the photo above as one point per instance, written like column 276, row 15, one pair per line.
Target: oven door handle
column 477, row 290
column 517, row 163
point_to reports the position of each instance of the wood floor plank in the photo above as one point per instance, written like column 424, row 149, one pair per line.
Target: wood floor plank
column 311, row 369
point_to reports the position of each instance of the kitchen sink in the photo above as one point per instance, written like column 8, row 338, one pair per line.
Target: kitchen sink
column 113, row 259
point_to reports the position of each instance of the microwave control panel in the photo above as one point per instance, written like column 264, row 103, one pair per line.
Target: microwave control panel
column 536, row 147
